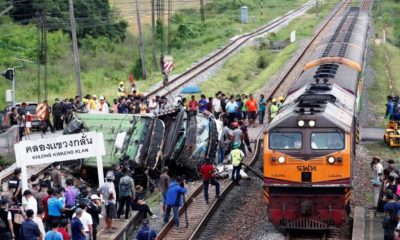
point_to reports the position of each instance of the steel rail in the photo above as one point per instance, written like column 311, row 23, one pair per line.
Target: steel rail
column 212, row 61
column 226, row 190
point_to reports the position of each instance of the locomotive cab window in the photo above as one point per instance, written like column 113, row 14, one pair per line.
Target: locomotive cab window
column 285, row 140
column 327, row 141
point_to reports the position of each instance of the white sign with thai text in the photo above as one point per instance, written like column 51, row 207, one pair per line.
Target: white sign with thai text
column 58, row 149
column 61, row 148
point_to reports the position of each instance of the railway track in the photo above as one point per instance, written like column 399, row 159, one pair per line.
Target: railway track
column 222, row 54
column 199, row 213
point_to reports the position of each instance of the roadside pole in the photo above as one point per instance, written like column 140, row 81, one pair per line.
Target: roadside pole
column 75, row 47
column 144, row 73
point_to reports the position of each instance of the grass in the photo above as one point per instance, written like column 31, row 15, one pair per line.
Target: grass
column 104, row 64
column 154, row 200
column 382, row 150
column 382, row 65
column 241, row 73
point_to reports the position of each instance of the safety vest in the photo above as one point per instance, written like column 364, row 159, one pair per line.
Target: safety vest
column 274, row 110
column 236, row 157
column 121, row 91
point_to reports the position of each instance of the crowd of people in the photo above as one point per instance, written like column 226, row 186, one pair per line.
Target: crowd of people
column 245, row 108
column 386, row 187
column 56, row 209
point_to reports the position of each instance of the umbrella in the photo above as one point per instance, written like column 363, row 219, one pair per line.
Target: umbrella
column 191, row 89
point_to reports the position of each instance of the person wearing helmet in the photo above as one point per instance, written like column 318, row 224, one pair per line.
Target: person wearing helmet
column 236, row 156
column 93, row 103
column 273, row 109
column 238, row 136
column 280, row 102
column 121, row 89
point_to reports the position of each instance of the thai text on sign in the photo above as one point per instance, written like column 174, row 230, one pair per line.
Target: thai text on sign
column 62, row 148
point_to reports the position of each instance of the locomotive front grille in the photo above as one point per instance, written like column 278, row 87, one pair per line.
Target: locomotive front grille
column 310, row 224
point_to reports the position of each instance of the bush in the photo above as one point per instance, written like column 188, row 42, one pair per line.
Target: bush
column 262, row 62
column 233, row 79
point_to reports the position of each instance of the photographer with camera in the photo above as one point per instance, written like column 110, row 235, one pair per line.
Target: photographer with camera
column 175, row 193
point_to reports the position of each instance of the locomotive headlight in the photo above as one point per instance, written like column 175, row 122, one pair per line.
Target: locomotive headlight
column 311, row 123
column 300, row 123
column 281, row 159
column 331, row 160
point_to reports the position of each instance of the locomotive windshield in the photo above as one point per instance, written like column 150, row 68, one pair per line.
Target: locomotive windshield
column 285, row 140
column 330, row 141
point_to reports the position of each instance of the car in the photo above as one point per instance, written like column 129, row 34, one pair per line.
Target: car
column 31, row 116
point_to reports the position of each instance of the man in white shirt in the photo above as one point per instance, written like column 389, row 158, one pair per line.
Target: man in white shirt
column 102, row 106
column 29, row 202
column 38, row 219
column 376, row 181
column 216, row 106
column 86, row 219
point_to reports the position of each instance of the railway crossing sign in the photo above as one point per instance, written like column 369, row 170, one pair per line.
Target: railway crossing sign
column 59, row 149
column 168, row 64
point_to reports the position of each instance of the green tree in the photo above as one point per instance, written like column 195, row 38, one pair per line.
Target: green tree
column 93, row 17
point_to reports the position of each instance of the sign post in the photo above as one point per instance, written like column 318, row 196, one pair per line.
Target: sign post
column 59, row 149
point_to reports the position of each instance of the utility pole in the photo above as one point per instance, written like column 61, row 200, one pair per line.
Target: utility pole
column 169, row 26
column 45, row 55
column 153, row 34
column 162, row 13
column 39, row 50
column 75, row 47
column 261, row 7
column 202, row 11
column 317, row 8
column 144, row 74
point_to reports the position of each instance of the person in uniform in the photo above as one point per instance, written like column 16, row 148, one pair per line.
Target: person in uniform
column 280, row 102
column 236, row 156
column 273, row 109
column 121, row 90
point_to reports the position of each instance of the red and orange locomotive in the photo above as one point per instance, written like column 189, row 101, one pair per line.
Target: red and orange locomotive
column 310, row 145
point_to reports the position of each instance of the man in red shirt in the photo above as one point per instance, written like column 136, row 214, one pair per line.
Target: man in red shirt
column 208, row 174
column 63, row 229
column 251, row 105
column 192, row 106
column 46, row 220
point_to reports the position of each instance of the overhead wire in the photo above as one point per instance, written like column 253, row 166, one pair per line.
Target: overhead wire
column 118, row 15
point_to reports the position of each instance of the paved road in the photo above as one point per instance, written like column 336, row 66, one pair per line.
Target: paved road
column 372, row 134
column 373, row 225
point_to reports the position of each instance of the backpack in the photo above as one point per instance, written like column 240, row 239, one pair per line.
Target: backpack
column 124, row 189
